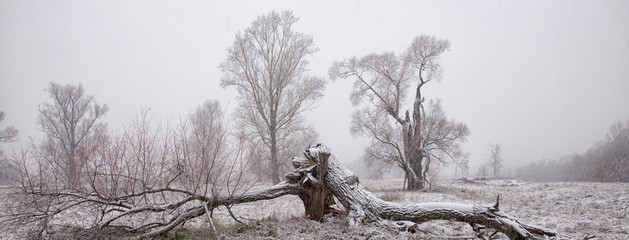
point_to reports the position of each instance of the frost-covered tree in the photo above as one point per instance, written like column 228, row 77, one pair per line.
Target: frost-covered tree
column 464, row 166
column 413, row 140
column 8, row 134
column 495, row 157
column 69, row 123
column 615, row 156
column 267, row 64
column 147, row 181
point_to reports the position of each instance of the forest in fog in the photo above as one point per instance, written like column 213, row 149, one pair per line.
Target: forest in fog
column 606, row 161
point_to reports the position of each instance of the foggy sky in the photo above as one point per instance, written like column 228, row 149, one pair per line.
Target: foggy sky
column 542, row 78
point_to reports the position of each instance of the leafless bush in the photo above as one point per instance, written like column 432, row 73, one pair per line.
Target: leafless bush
column 147, row 181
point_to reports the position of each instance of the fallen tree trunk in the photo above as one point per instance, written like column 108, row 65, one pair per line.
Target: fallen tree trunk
column 363, row 207
column 275, row 191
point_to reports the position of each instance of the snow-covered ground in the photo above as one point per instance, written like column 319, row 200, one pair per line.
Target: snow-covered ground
column 575, row 210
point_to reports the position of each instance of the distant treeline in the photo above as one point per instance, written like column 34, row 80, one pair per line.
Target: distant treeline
column 606, row 161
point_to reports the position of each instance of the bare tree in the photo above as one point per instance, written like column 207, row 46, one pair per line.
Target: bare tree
column 442, row 139
column 465, row 167
column 482, row 170
column 303, row 137
column 615, row 156
column 412, row 142
column 69, row 123
column 267, row 64
column 8, row 134
column 495, row 157
column 145, row 182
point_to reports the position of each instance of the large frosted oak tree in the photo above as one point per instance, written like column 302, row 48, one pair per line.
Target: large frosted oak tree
column 411, row 140
column 267, row 64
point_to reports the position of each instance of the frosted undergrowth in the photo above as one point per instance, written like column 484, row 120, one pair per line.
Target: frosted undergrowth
column 575, row 210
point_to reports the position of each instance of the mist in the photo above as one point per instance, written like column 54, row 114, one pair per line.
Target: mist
column 543, row 79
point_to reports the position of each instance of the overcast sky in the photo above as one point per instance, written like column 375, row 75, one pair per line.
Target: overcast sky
column 542, row 78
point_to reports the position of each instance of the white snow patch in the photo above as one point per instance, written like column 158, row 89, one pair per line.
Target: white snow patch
column 464, row 208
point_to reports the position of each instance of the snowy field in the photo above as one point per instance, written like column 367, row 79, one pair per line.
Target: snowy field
column 575, row 210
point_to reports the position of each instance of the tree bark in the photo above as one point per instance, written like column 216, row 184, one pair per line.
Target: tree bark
column 416, row 156
column 275, row 171
column 412, row 154
column 417, row 179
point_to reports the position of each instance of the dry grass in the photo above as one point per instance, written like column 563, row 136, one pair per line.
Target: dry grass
column 564, row 207
column 576, row 210
column 391, row 196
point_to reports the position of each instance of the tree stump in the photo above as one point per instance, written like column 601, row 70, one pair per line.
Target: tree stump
column 311, row 173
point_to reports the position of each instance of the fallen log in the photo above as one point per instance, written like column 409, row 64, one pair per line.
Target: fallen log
column 363, row 207
column 275, row 191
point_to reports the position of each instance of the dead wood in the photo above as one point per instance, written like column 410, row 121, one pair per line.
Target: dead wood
column 364, row 207
column 275, row 191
